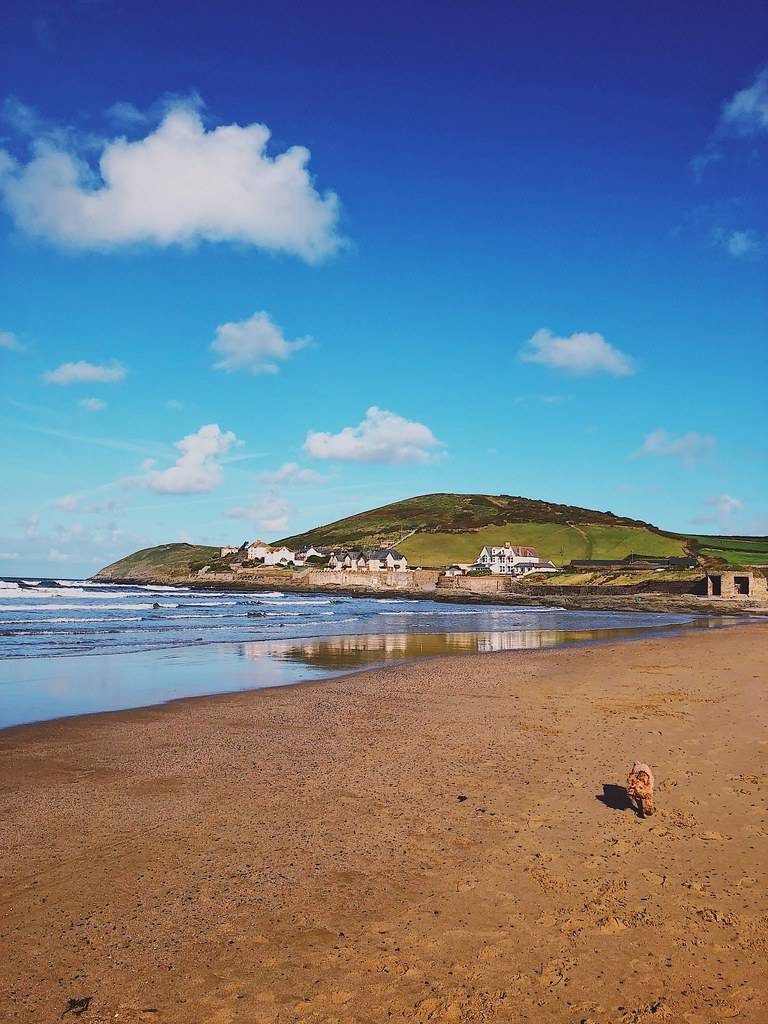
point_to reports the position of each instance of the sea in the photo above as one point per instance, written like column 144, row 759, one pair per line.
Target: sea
column 70, row 647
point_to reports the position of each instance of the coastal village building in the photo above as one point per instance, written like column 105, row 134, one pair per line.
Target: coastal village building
column 279, row 556
column 228, row 549
column 303, row 556
column 512, row 560
column 257, row 549
column 368, row 561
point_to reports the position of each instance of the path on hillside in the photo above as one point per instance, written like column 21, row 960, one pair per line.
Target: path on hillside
column 587, row 539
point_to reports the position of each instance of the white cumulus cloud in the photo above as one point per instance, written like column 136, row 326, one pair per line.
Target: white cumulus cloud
column 85, row 373
column 580, row 354
column 256, row 345
column 688, row 447
column 293, row 473
column 381, row 437
column 92, row 404
column 198, row 468
column 179, row 184
column 270, row 512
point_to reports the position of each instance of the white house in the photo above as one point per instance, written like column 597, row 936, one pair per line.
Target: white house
column 228, row 550
column 257, row 549
column 513, row 560
column 385, row 558
column 339, row 560
column 300, row 558
column 279, row 556
column 535, row 565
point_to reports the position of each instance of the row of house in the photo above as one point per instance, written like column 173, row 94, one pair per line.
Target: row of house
column 259, row 550
column 353, row 560
column 368, row 561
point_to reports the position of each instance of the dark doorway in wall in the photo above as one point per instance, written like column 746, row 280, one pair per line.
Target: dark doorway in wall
column 741, row 585
column 717, row 585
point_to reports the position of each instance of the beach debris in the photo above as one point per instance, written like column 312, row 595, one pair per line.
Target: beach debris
column 461, row 798
column 77, row 1007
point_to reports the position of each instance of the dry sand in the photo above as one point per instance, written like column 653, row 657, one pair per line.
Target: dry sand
column 421, row 843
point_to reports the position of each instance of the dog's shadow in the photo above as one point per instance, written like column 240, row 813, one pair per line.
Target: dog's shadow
column 615, row 797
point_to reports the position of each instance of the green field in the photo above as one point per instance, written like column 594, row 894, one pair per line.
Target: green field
column 734, row 550
column 559, row 543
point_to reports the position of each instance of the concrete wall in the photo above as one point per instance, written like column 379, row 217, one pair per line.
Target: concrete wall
column 477, row 584
column 385, row 579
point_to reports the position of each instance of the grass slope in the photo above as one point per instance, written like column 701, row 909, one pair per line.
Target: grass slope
column 560, row 544
column 438, row 529
column 164, row 560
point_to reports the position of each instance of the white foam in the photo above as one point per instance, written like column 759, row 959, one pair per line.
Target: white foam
column 30, row 622
column 79, row 607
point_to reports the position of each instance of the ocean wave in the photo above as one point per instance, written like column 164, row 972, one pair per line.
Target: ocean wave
column 45, row 622
column 79, row 607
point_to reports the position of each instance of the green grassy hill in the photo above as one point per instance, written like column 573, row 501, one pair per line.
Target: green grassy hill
column 438, row 529
column 171, row 560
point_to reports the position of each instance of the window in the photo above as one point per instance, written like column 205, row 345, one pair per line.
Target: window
column 741, row 585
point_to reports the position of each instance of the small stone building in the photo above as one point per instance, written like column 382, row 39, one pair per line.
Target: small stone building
column 737, row 583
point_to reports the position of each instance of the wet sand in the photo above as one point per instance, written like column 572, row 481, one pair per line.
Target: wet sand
column 438, row 841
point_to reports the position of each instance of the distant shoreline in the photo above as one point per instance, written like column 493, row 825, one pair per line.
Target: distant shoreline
column 636, row 602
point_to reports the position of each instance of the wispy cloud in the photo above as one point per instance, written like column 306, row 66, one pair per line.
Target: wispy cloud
column 746, row 112
column 580, row 354
column 92, row 404
column 721, row 508
column 744, row 244
column 293, row 473
column 270, row 512
column 146, row 448
column 689, row 448
column 743, row 116
column 9, row 340
column 83, row 372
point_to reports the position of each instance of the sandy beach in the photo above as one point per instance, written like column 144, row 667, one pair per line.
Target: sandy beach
column 437, row 841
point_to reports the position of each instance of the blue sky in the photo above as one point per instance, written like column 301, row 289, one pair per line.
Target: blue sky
column 265, row 266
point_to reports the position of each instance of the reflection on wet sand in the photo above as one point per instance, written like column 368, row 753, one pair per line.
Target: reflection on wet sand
column 35, row 688
column 345, row 653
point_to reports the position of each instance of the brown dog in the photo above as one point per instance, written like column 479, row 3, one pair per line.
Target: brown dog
column 640, row 787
